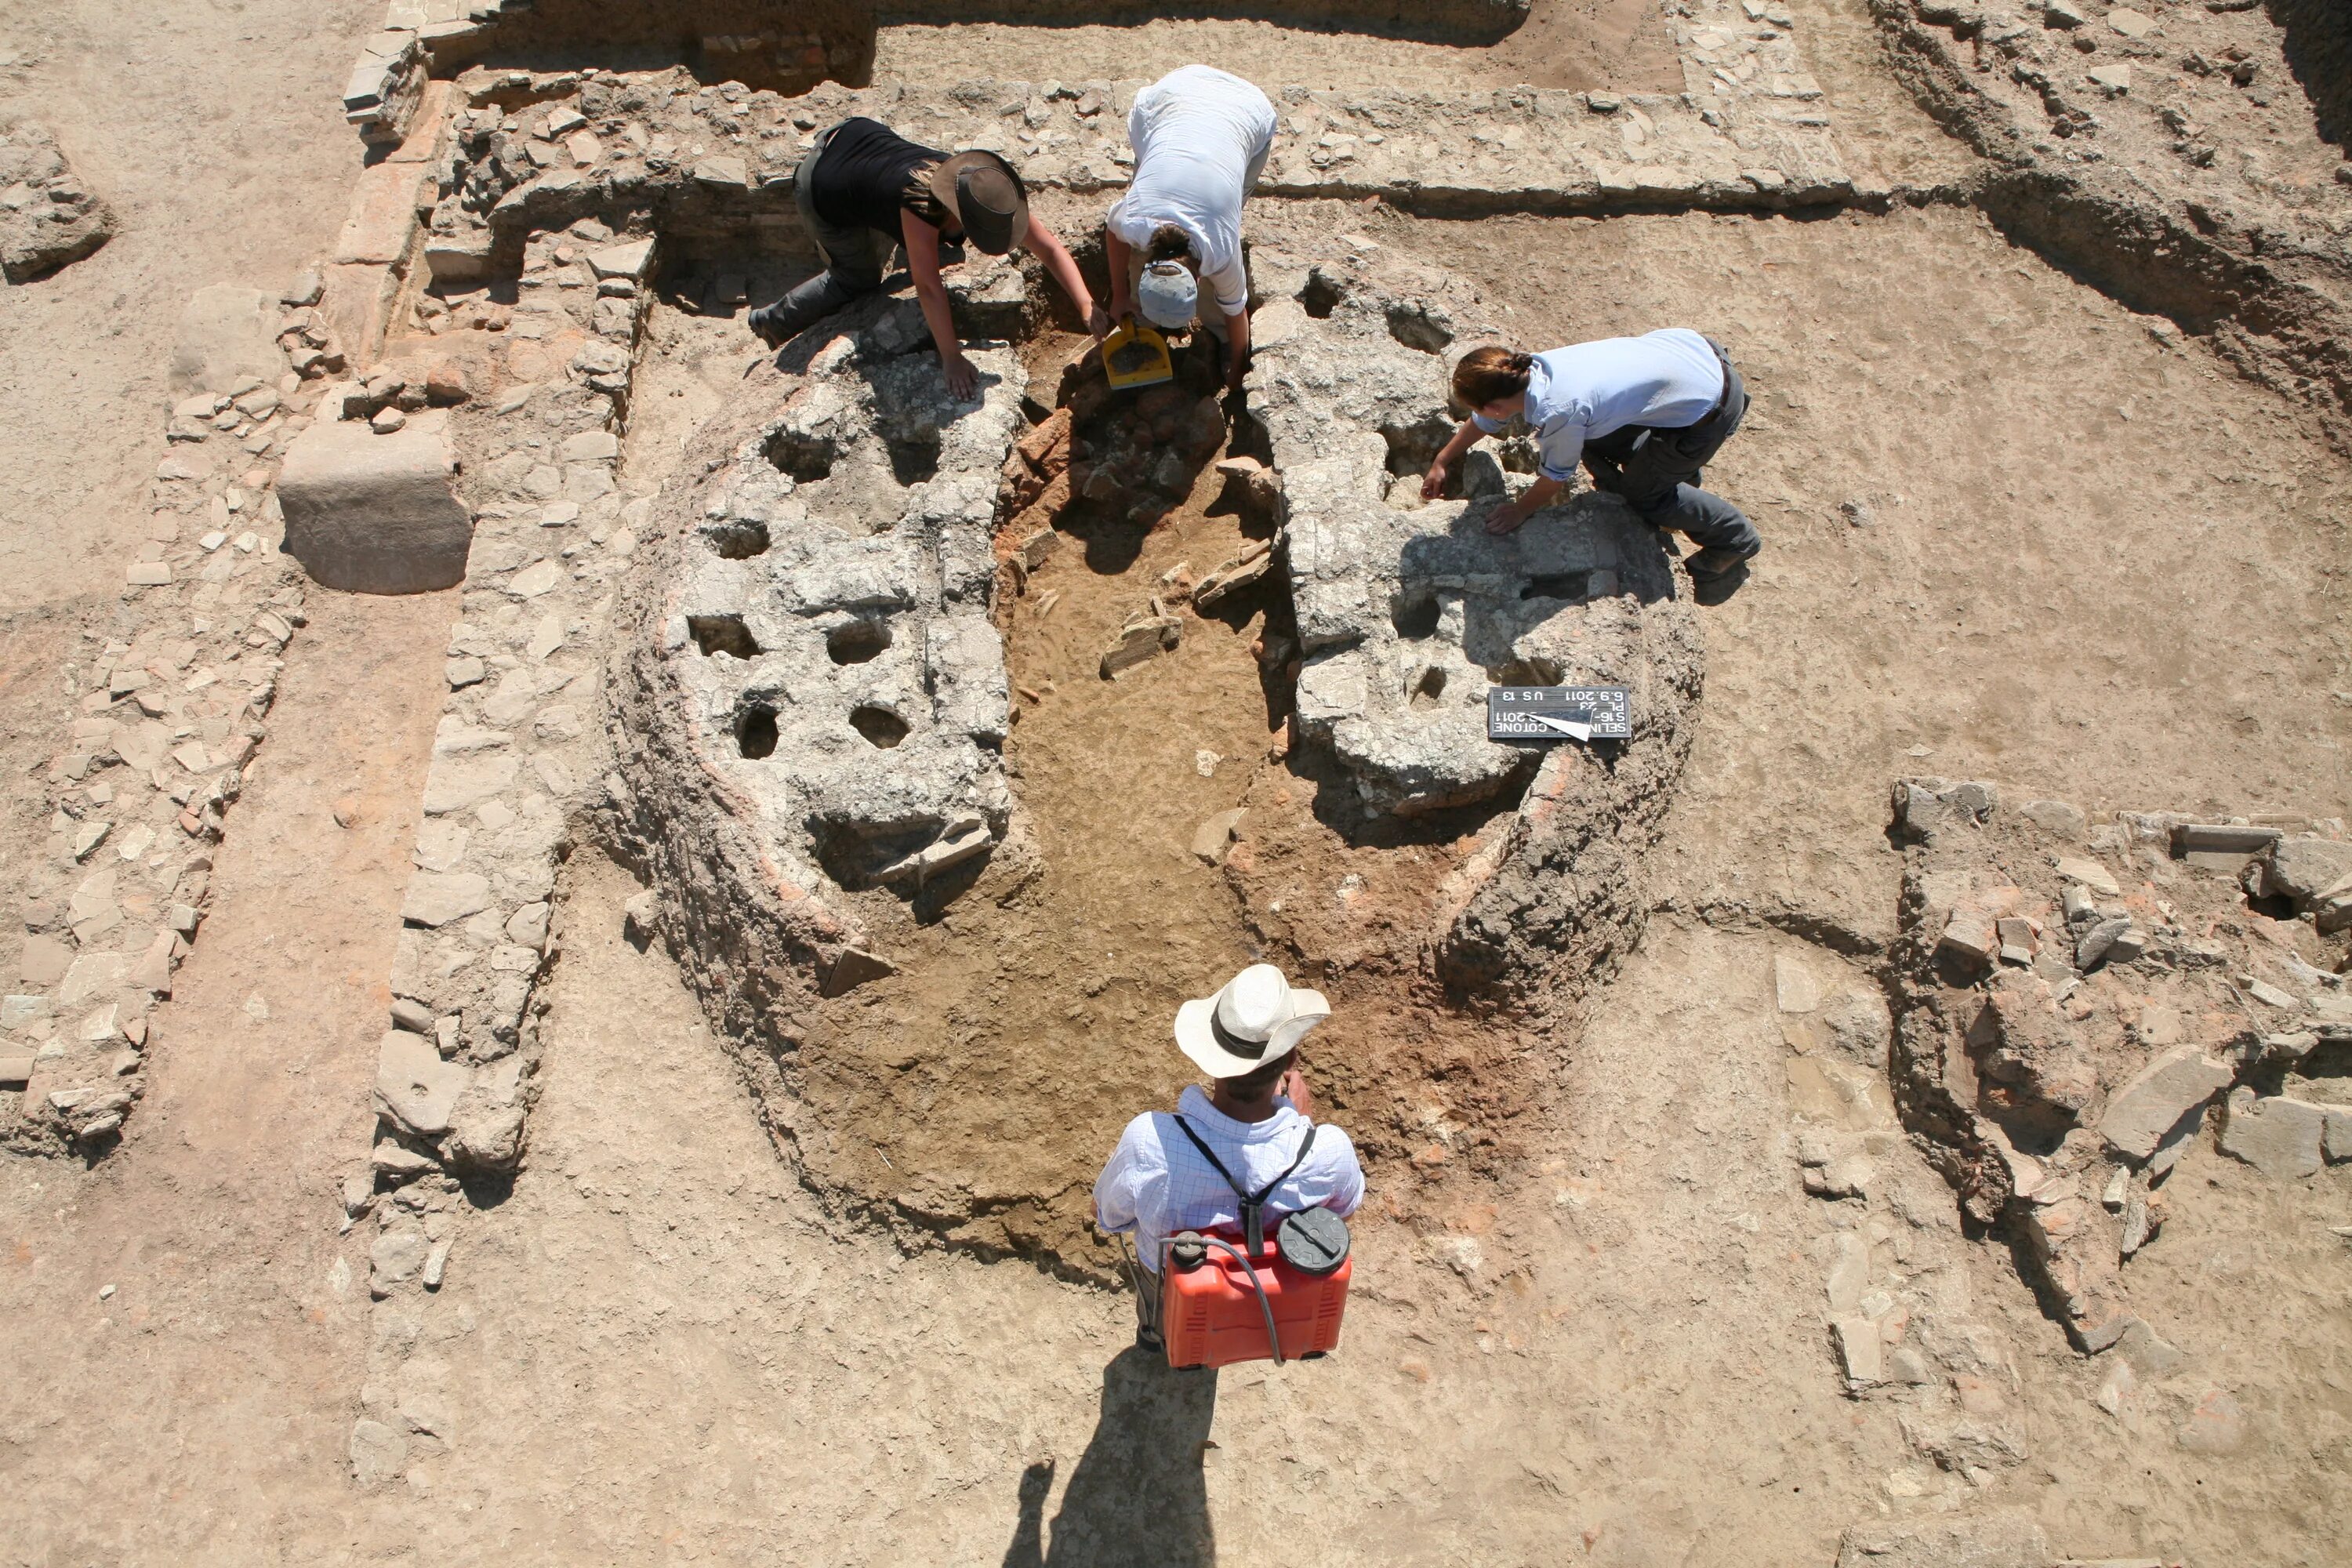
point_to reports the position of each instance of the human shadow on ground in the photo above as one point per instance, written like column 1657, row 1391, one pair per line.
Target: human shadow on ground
column 1137, row 1496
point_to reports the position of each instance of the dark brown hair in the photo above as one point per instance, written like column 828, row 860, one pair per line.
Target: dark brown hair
column 1491, row 374
column 1251, row 1085
column 1169, row 243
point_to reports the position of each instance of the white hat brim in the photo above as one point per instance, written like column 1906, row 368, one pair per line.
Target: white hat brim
column 1196, row 1034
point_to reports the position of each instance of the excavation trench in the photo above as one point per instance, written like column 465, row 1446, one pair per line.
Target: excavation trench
column 981, row 1085
column 945, row 924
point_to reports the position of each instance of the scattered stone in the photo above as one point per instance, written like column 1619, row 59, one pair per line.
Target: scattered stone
column 1861, row 1351
column 2057, row 818
column 2278, row 1136
column 640, row 915
column 2089, row 874
column 2216, row 1426
column 1141, row 640
column 227, row 343
column 48, row 218
column 853, row 968
column 379, row 1453
column 488, row 1139
column 397, row 1257
column 438, row 899
column 2131, row 24
column 1215, row 836
column 415, row 1087
column 1794, row 987
column 1239, row 572
column 411, row 1016
column 436, row 1262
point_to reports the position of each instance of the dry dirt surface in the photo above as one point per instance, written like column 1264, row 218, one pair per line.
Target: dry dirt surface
column 1574, row 44
column 2012, row 532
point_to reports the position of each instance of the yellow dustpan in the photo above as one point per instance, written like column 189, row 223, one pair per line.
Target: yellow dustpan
column 1134, row 356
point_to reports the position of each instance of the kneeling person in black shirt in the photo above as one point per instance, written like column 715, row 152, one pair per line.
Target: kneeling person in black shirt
column 864, row 187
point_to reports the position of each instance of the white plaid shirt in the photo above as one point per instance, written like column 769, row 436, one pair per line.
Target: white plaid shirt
column 1157, row 1184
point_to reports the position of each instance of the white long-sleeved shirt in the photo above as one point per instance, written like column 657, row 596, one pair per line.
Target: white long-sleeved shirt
column 1156, row 1183
column 1667, row 380
column 1196, row 131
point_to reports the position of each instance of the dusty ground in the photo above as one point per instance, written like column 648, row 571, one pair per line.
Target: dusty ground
column 2082, row 563
column 1575, row 44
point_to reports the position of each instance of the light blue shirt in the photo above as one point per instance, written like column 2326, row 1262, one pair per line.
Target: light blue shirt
column 1667, row 380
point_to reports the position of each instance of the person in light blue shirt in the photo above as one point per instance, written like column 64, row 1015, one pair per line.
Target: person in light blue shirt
column 1645, row 414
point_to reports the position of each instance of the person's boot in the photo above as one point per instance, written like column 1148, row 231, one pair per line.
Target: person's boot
column 765, row 327
column 1715, row 561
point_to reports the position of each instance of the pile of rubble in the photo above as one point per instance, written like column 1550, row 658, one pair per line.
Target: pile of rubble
column 2075, row 1001
column 48, row 218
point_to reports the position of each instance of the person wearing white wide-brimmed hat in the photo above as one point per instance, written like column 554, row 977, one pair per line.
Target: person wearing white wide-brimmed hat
column 1253, row 1119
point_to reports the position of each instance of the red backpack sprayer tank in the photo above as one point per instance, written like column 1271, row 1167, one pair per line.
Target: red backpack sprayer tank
column 1229, row 1296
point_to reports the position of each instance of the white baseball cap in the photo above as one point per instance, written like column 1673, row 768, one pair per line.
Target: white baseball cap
column 1167, row 295
column 1257, row 1017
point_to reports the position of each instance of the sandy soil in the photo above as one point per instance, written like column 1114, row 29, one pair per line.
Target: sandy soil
column 199, row 1409
column 1575, row 44
column 216, row 131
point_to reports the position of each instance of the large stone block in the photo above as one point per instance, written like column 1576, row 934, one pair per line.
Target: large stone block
column 376, row 514
column 2140, row 1113
column 228, row 333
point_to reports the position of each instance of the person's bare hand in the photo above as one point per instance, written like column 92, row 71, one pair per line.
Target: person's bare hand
column 1506, row 518
column 1294, row 1088
column 963, row 379
column 1433, row 483
column 1099, row 321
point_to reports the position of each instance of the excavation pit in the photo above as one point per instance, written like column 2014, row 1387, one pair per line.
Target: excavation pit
column 896, row 731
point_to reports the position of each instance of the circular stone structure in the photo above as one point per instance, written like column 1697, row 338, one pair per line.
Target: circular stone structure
column 814, row 707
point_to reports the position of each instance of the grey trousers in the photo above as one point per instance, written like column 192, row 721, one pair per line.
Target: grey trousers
column 854, row 256
column 1656, row 471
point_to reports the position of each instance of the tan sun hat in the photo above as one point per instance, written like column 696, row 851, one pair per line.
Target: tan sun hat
column 986, row 197
column 1256, row 1018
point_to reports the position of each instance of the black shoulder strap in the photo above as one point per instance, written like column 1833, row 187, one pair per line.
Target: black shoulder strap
column 1253, row 1204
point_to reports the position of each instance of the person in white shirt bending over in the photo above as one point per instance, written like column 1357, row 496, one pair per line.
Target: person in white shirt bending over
column 1644, row 415
column 1175, row 1172
column 1200, row 136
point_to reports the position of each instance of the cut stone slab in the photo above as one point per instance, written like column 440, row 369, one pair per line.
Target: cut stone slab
column 2276, row 1135
column 228, row 337
column 371, row 513
column 2140, row 1114
column 414, row 1086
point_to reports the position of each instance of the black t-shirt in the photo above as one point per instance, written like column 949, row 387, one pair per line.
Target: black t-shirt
column 862, row 179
